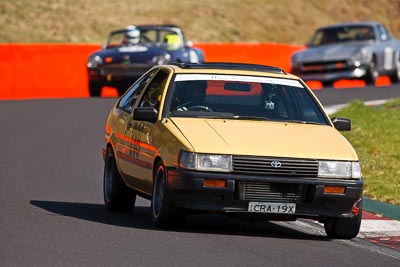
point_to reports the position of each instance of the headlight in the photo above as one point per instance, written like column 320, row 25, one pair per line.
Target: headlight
column 339, row 169
column 357, row 58
column 295, row 60
column 162, row 59
column 362, row 55
column 93, row 62
column 205, row 162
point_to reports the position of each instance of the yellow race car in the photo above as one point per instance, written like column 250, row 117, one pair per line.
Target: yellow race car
column 245, row 140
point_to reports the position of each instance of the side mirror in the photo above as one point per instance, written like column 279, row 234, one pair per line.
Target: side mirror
column 145, row 114
column 189, row 44
column 341, row 124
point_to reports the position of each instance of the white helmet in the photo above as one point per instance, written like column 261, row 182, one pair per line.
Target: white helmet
column 133, row 36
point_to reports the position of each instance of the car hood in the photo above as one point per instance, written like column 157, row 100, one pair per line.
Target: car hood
column 138, row 53
column 329, row 52
column 262, row 138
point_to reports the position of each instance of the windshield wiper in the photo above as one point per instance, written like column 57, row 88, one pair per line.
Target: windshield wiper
column 249, row 118
column 304, row 122
column 229, row 116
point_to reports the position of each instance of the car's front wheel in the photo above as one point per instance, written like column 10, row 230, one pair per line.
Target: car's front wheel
column 163, row 211
column 121, row 88
column 395, row 76
column 117, row 196
column 95, row 88
column 343, row 228
column 327, row 83
column 372, row 73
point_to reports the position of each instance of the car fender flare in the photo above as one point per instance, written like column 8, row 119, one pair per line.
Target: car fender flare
column 396, row 57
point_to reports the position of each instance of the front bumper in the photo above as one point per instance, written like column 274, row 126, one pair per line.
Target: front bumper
column 117, row 74
column 330, row 71
column 325, row 77
column 186, row 189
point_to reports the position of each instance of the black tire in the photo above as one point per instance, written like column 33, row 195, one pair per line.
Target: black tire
column 327, row 84
column 95, row 88
column 372, row 73
column 343, row 228
column 117, row 196
column 121, row 89
column 395, row 76
column 162, row 210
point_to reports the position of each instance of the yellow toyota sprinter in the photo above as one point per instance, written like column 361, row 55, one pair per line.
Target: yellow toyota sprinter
column 244, row 140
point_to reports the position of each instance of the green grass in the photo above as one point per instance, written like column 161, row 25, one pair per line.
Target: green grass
column 375, row 135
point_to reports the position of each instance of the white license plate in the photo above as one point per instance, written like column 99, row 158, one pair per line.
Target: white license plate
column 270, row 207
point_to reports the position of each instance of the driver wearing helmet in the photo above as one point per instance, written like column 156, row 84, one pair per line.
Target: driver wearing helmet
column 131, row 37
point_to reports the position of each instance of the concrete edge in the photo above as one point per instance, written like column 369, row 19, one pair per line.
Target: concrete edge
column 387, row 210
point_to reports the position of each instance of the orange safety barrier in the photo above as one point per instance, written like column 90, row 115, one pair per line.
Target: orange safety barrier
column 272, row 54
column 44, row 70
column 59, row 70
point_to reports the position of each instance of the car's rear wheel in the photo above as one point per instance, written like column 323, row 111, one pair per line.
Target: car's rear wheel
column 163, row 211
column 395, row 76
column 95, row 88
column 343, row 228
column 117, row 196
column 372, row 72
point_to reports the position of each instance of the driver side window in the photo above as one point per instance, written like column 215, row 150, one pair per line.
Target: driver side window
column 153, row 93
column 128, row 101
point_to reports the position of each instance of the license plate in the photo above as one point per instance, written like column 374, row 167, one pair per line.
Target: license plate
column 269, row 207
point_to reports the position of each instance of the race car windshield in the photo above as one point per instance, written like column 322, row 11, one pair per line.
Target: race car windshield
column 146, row 37
column 243, row 97
column 342, row 34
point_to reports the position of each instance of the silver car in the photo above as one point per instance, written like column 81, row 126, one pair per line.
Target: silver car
column 358, row 50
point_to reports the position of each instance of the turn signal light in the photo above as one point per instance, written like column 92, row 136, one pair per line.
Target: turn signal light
column 355, row 210
column 339, row 65
column 356, row 207
column 214, row 183
column 108, row 59
column 334, row 189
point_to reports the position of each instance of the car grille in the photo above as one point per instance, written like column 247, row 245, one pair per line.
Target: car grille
column 324, row 66
column 265, row 166
column 271, row 192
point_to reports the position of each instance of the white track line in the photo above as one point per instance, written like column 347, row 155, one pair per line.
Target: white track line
column 332, row 109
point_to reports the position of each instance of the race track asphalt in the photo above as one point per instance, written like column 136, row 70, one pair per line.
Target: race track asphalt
column 52, row 211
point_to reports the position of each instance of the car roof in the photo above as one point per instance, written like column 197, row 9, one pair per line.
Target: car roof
column 230, row 68
column 353, row 23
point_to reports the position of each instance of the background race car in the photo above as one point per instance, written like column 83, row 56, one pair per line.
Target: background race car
column 360, row 50
column 130, row 52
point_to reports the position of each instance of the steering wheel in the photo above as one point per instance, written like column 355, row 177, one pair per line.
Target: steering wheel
column 200, row 108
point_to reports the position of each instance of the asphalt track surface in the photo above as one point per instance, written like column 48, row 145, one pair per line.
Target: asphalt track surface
column 52, row 210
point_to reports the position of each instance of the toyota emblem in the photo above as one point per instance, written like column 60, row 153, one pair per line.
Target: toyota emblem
column 276, row 164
